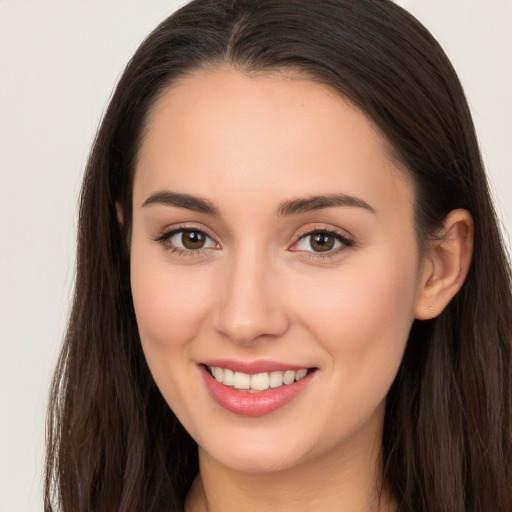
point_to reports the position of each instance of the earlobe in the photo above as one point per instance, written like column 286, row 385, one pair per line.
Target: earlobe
column 445, row 265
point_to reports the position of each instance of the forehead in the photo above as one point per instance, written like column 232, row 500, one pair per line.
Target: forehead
column 276, row 133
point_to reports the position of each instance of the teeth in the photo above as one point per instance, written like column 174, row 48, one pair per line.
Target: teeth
column 218, row 374
column 258, row 381
column 242, row 380
column 229, row 377
column 300, row 374
column 276, row 379
column 289, row 377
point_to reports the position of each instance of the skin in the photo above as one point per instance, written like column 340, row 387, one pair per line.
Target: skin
column 259, row 291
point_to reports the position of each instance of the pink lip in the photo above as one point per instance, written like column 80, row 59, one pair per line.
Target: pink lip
column 252, row 404
column 252, row 367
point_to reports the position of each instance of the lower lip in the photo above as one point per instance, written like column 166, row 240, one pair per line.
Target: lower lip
column 253, row 404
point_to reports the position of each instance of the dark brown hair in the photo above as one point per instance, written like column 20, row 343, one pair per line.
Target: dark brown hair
column 115, row 445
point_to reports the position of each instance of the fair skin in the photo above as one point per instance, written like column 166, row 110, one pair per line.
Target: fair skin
column 330, row 285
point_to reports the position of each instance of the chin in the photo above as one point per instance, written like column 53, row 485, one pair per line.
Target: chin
column 255, row 457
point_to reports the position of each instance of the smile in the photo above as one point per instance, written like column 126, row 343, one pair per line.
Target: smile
column 257, row 382
column 255, row 392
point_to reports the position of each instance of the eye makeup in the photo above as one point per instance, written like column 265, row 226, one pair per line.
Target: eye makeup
column 187, row 241
column 313, row 242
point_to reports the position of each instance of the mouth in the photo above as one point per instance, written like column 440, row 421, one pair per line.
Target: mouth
column 255, row 392
column 258, row 382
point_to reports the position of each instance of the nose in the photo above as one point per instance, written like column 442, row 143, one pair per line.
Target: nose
column 251, row 304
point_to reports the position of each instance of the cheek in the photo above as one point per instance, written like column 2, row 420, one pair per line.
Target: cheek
column 168, row 304
column 381, row 303
column 169, row 307
column 364, row 315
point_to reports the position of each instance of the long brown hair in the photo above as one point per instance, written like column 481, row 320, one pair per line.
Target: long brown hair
column 115, row 445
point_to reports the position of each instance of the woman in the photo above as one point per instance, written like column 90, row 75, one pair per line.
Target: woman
column 291, row 290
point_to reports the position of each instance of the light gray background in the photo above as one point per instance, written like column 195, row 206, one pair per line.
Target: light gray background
column 59, row 61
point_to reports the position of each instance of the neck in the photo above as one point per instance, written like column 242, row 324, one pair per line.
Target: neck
column 346, row 479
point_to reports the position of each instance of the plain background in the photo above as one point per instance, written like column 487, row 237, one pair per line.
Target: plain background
column 59, row 61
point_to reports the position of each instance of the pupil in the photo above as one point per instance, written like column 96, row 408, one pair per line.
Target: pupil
column 322, row 243
column 193, row 240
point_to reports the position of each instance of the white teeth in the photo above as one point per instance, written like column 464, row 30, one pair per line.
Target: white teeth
column 276, row 379
column 218, row 374
column 258, row 381
column 242, row 380
column 300, row 374
column 229, row 377
column 289, row 377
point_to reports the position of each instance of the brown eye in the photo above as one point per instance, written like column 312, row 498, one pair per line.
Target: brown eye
column 187, row 240
column 322, row 242
column 193, row 239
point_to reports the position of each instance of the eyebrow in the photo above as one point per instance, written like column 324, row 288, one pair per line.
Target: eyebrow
column 288, row 208
column 187, row 201
column 313, row 203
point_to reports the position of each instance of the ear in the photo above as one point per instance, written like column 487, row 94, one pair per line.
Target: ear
column 119, row 212
column 445, row 265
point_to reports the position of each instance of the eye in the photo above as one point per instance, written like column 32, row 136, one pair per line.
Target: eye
column 321, row 241
column 187, row 240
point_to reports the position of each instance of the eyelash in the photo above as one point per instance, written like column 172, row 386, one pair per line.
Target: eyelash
column 164, row 240
column 344, row 241
column 342, row 238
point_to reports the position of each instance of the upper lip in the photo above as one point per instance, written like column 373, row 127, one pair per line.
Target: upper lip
column 253, row 367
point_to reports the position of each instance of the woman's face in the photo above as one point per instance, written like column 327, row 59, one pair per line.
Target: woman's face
column 273, row 235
